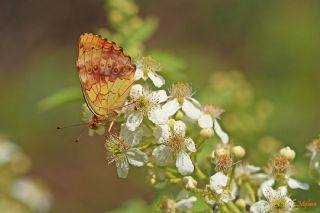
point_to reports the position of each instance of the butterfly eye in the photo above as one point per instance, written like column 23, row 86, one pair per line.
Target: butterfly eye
column 95, row 67
column 115, row 71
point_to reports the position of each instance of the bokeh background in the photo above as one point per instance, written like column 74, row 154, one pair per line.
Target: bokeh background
column 258, row 60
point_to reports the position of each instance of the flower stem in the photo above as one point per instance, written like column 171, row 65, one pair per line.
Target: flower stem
column 199, row 173
column 250, row 191
column 233, row 208
column 148, row 123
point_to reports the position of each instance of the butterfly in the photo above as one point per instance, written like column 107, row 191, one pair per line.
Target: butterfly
column 106, row 75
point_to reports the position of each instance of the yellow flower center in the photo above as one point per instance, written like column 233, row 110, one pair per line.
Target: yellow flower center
column 181, row 91
column 176, row 143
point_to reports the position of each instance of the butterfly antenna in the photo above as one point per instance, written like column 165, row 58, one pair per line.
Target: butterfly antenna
column 72, row 125
column 81, row 133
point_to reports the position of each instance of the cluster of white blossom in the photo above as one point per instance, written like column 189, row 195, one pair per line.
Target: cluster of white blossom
column 20, row 193
column 165, row 131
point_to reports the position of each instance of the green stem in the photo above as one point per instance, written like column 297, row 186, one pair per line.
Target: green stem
column 199, row 173
column 199, row 143
column 148, row 123
column 144, row 146
column 250, row 191
column 224, row 209
column 233, row 208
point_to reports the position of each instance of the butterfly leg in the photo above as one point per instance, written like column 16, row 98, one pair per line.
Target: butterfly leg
column 110, row 126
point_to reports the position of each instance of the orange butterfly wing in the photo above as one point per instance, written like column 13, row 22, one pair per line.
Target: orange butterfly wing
column 105, row 72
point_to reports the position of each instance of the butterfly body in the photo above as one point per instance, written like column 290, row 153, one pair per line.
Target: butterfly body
column 106, row 76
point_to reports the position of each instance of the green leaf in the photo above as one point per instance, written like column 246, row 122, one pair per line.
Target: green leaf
column 59, row 98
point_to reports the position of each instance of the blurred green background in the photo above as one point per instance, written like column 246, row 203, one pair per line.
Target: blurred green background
column 273, row 45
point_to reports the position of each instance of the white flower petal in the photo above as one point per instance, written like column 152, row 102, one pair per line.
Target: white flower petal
column 136, row 91
column 205, row 121
column 226, row 197
column 157, row 116
column 29, row 192
column 184, row 163
column 223, row 136
column 289, row 204
column 268, row 192
column 252, row 169
column 190, row 110
column 162, row 133
column 158, row 96
column 260, row 207
column 162, row 155
column 131, row 137
column 183, row 194
column 266, row 183
column 138, row 74
column 171, row 107
column 179, row 128
column 195, row 102
column 218, row 181
column 186, row 204
column 281, row 191
column 7, row 151
column 134, row 120
column 190, row 145
column 294, row 184
column 157, row 80
column 122, row 167
column 137, row 157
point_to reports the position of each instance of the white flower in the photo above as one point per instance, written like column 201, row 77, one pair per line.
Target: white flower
column 171, row 206
column 123, row 154
column 246, row 172
column 277, row 201
column 7, row 151
column 217, row 190
column 189, row 182
column 186, row 204
column 147, row 68
column 33, row 194
column 145, row 103
column 292, row 183
column 173, row 144
column 218, row 182
column 133, row 137
column 181, row 98
column 209, row 119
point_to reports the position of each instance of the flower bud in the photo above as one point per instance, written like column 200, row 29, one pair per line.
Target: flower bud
column 189, row 183
column 241, row 203
column 211, row 156
column 288, row 153
column 238, row 151
column 207, row 132
column 221, row 151
column 168, row 205
column 179, row 115
column 171, row 122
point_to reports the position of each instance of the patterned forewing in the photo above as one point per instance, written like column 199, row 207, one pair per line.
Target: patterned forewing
column 98, row 63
